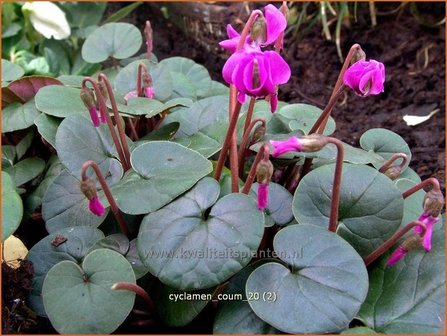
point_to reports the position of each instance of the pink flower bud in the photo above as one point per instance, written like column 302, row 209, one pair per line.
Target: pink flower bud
column 130, row 95
column 94, row 115
column 149, row 92
column 365, row 77
column 397, row 255
column 292, row 144
column 96, row 206
column 263, row 194
column 429, row 222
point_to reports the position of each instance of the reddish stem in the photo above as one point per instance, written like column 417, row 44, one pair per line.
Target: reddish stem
column 139, row 80
column 102, row 77
column 137, row 290
column 251, row 106
column 107, row 192
column 244, row 143
column 102, row 106
column 253, row 16
column 335, row 202
column 391, row 160
column 430, row 181
column 263, row 153
column 393, row 240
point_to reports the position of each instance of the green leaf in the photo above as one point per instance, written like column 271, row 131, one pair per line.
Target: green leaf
column 54, row 100
column 408, row 297
column 191, row 80
column 9, row 155
column 165, row 132
column 126, row 80
column 279, row 205
column 71, row 80
column 123, row 12
column 24, row 144
column 17, row 116
column 76, row 134
column 79, row 299
column 178, row 312
column 117, row 40
column 195, row 250
column 371, row 207
column 26, row 170
column 84, row 14
column 163, row 171
column 45, row 254
column 11, row 71
column 64, row 205
column 133, row 257
column 12, row 208
column 358, row 331
column 319, row 292
column 47, row 127
column 234, row 315
column 385, row 143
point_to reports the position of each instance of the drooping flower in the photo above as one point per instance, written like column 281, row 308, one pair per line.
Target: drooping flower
column 256, row 73
column 96, row 206
column 263, row 194
column 293, row 144
column 429, row 222
column 365, row 77
column 48, row 19
column 396, row 256
column 412, row 242
column 275, row 23
column 130, row 95
column 264, row 172
column 88, row 99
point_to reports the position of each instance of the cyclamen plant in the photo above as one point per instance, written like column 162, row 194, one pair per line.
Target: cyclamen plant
column 328, row 237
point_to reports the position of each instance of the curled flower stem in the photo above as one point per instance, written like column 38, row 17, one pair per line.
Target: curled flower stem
column 137, row 290
column 102, row 77
column 102, row 106
column 251, row 106
column 393, row 240
column 391, row 160
column 264, row 152
column 107, row 192
column 244, row 142
column 253, row 16
column 335, row 200
column 430, row 181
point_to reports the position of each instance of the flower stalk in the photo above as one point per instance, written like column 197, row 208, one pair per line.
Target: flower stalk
column 107, row 192
column 262, row 154
column 244, row 143
column 137, row 290
column 430, row 181
column 395, row 171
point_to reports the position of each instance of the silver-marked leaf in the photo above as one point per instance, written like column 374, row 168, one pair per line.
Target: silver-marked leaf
column 53, row 249
column 162, row 171
column 197, row 250
column 319, row 292
column 118, row 40
column 84, row 294
column 371, row 207
column 60, row 101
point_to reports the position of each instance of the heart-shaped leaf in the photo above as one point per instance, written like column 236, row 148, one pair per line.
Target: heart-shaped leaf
column 26, row 88
column 67, row 244
column 9, row 155
column 385, row 143
column 319, row 292
column 65, row 206
column 234, row 315
column 84, row 294
column 408, row 297
column 17, row 116
column 118, row 40
column 188, row 249
column 371, row 207
column 60, row 101
column 11, row 71
column 47, row 127
column 126, row 80
column 84, row 14
column 279, row 205
column 190, row 80
column 25, row 170
column 12, row 208
column 76, row 134
column 163, row 171
column 166, row 132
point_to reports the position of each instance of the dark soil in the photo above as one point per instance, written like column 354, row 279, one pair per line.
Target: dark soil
column 414, row 56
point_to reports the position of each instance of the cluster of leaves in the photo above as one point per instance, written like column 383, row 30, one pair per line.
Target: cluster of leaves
column 189, row 233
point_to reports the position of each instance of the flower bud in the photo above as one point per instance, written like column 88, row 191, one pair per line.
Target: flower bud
column 433, row 203
column 89, row 101
column 365, row 77
column 264, row 171
column 96, row 207
column 103, row 90
column 258, row 31
column 393, row 172
column 258, row 134
column 412, row 242
column 359, row 55
column 88, row 188
column 313, row 142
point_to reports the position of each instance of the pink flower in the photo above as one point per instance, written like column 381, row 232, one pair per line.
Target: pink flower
column 275, row 24
column 130, row 95
column 263, row 194
column 429, row 221
column 149, row 92
column 94, row 115
column 256, row 73
column 365, row 77
column 96, row 206
column 397, row 255
column 292, row 144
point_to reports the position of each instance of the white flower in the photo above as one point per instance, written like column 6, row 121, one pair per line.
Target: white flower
column 48, row 19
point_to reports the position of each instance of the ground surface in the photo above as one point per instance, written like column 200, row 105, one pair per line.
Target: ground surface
column 414, row 56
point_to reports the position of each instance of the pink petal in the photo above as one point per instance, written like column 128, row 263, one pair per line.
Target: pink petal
column 231, row 32
column 397, row 255
column 273, row 102
column 94, row 115
column 292, row 144
column 279, row 68
column 131, row 94
column 149, row 92
column 263, row 192
column 96, row 206
column 276, row 23
column 365, row 77
column 429, row 222
column 231, row 64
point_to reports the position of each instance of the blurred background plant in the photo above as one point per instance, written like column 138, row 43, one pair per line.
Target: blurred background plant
column 45, row 38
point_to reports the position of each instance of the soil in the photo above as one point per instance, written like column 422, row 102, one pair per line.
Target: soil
column 414, row 56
